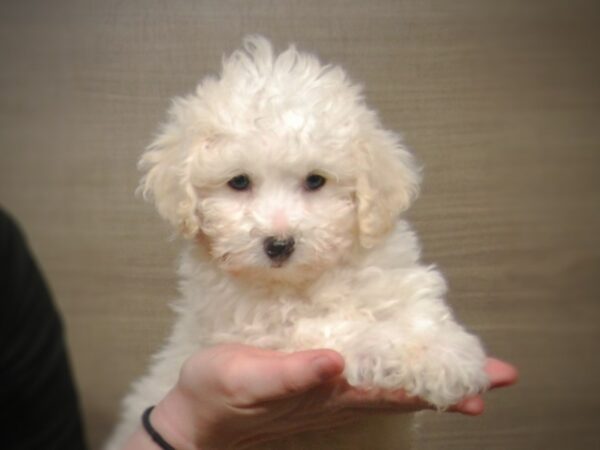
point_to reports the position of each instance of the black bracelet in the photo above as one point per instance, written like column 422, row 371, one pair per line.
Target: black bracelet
column 157, row 438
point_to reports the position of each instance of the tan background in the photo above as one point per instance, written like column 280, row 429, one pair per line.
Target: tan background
column 499, row 99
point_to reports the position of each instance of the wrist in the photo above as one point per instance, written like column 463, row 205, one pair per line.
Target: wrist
column 177, row 423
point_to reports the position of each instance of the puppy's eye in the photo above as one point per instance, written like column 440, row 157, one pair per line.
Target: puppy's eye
column 314, row 182
column 239, row 183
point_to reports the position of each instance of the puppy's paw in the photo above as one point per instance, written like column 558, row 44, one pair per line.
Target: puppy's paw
column 449, row 370
column 442, row 371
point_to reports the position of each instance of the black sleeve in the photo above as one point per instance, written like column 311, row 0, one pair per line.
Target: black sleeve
column 38, row 402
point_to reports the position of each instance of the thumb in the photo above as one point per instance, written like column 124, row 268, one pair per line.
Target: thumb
column 294, row 373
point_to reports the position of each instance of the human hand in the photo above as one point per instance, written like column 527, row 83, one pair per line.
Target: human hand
column 234, row 396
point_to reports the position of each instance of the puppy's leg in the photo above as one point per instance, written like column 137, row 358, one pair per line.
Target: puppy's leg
column 402, row 335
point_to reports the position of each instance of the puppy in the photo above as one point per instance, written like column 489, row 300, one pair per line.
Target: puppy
column 289, row 192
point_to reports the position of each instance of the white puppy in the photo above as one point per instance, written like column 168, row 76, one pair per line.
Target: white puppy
column 290, row 192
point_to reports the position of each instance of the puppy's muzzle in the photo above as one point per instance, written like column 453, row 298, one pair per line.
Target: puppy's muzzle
column 278, row 249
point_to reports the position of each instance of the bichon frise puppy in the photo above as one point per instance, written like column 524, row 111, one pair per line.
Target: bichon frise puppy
column 289, row 192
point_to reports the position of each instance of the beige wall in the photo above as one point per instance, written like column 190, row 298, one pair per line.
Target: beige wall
column 499, row 99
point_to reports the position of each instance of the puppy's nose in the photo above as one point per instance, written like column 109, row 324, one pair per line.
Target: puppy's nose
column 278, row 249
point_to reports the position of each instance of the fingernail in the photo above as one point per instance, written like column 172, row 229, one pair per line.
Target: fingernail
column 325, row 366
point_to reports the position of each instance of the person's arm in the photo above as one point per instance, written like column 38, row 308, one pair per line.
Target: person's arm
column 39, row 403
column 231, row 396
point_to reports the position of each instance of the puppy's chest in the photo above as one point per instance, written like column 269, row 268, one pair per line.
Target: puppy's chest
column 285, row 320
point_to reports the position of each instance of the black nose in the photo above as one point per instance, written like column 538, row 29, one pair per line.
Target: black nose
column 278, row 249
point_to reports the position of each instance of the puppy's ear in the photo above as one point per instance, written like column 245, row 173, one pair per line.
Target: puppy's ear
column 166, row 165
column 387, row 182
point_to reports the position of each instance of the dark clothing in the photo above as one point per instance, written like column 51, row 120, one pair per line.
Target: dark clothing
column 38, row 403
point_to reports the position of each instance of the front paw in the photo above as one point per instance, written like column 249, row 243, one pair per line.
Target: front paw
column 442, row 371
column 449, row 370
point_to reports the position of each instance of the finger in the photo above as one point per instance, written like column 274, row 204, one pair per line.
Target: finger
column 290, row 374
column 501, row 373
column 305, row 370
column 380, row 399
column 471, row 406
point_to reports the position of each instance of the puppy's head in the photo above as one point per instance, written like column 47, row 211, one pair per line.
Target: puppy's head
column 277, row 166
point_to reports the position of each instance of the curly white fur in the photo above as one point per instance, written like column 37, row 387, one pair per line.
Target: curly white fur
column 353, row 283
